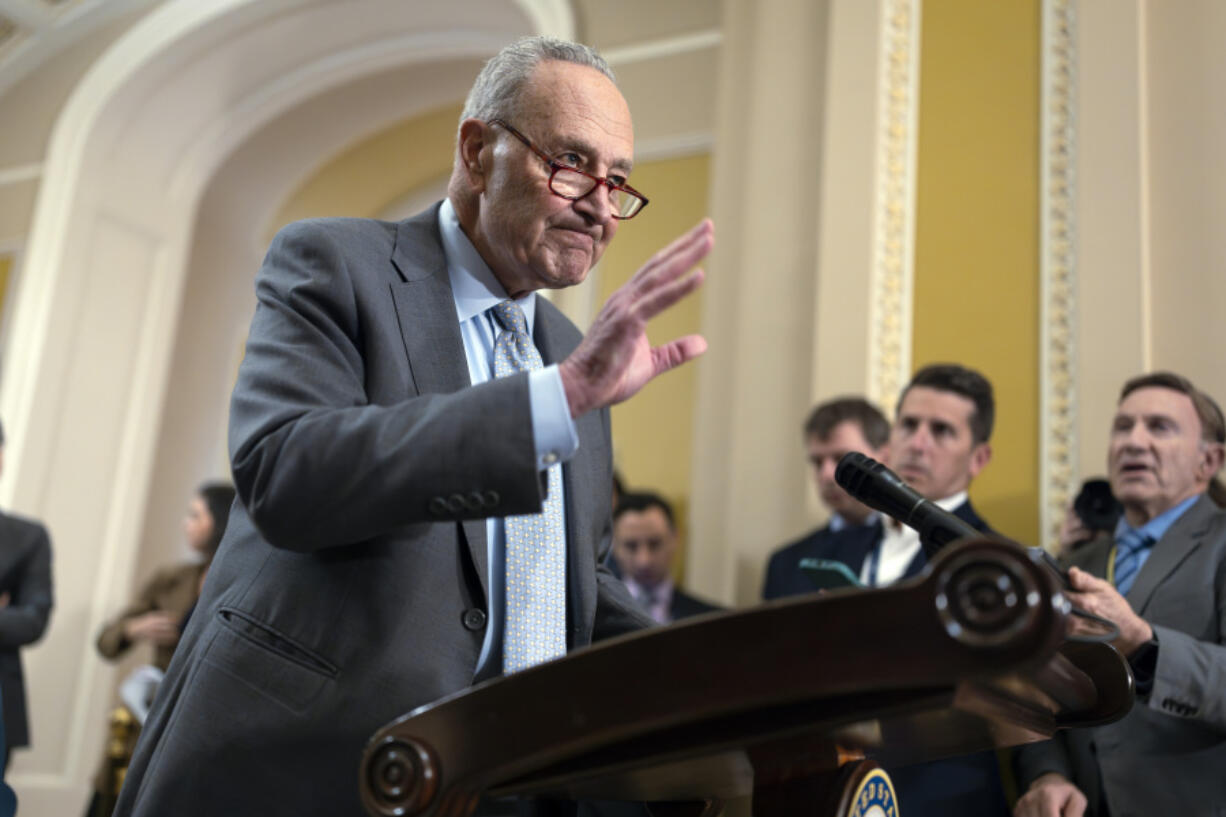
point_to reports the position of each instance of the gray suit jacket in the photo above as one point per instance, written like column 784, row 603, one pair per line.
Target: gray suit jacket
column 1168, row 755
column 25, row 574
column 350, row 587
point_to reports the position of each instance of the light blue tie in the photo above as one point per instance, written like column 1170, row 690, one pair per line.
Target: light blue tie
column 535, row 618
column 1128, row 550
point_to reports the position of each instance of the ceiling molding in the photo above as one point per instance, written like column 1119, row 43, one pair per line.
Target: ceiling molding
column 659, row 49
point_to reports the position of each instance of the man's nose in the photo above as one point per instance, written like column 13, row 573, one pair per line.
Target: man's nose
column 825, row 471
column 596, row 205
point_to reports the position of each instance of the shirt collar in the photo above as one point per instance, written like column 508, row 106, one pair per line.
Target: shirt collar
column 838, row 522
column 473, row 284
column 663, row 590
column 951, row 503
column 1156, row 528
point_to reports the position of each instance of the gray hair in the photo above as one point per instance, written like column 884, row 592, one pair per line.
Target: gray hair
column 495, row 94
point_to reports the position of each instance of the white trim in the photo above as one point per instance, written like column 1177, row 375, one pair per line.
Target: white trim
column 659, row 49
column 1058, row 450
column 893, row 258
column 20, row 173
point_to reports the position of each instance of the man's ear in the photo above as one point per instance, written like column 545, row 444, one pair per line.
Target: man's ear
column 980, row 457
column 474, row 152
column 1212, row 456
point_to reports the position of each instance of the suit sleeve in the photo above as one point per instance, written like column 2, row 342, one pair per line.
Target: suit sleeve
column 25, row 618
column 1036, row 759
column 316, row 463
column 1190, row 676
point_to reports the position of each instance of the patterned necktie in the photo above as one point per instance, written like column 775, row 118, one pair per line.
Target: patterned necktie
column 535, row 617
column 1128, row 549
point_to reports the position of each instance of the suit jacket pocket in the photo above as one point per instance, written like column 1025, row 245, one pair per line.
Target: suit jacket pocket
column 269, row 662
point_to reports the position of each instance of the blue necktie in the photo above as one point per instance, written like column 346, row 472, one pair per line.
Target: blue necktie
column 1128, row 550
column 535, row 618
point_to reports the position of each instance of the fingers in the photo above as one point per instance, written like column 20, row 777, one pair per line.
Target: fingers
column 656, row 300
column 681, row 350
column 1084, row 582
column 677, row 257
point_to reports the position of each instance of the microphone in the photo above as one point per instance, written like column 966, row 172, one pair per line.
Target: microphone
column 881, row 489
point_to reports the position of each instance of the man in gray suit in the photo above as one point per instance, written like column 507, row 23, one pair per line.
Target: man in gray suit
column 383, row 461
column 1164, row 585
column 25, row 608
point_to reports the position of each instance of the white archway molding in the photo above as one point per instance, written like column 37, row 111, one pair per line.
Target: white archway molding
column 89, row 363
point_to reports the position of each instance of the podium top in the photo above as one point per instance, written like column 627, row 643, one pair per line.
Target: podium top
column 969, row 655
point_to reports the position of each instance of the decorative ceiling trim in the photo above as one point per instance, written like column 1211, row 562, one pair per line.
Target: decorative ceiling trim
column 668, row 47
column 893, row 267
column 1057, row 274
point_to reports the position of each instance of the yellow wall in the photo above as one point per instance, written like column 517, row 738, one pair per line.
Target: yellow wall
column 977, row 258
column 652, row 434
column 372, row 174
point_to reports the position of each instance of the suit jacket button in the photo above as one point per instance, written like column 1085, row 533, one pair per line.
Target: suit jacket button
column 438, row 506
column 474, row 619
column 456, row 503
column 474, row 502
column 492, row 499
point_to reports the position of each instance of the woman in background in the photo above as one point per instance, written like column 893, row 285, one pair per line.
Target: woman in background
column 157, row 615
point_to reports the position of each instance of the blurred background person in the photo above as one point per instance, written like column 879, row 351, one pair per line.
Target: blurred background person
column 644, row 546
column 157, row 616
column 25, row 608
column 833, row 429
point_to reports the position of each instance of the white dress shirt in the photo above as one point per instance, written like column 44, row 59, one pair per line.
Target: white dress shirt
column 476, row 291
column 898, row 547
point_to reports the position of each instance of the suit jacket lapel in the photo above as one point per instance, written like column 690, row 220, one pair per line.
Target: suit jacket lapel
column 1177, row 544
column 425, row 310
column 853, row 545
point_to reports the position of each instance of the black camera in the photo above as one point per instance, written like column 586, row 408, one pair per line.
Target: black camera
column 1096, row 507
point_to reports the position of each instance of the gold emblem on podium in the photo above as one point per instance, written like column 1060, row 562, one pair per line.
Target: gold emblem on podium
column 874, row 797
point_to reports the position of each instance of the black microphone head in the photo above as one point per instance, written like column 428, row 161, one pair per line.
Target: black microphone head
column 852, row 470
column 855, row 470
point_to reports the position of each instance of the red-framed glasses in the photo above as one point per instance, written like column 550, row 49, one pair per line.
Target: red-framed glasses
column 572, row 183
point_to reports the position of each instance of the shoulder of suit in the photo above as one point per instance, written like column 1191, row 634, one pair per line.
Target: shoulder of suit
column 335, row 229
column 22, row 525
column 809, row 540
column 693, row 602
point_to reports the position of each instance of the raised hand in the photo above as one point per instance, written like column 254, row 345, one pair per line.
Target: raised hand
column 615, row 360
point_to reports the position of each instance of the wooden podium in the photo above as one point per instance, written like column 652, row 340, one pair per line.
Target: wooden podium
column 792, row 703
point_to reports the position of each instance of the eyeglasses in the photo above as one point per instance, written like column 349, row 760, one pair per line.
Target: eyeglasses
column 572, row 183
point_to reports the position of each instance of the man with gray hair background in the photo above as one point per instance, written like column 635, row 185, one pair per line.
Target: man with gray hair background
column 413, row 434
column 1160, row 576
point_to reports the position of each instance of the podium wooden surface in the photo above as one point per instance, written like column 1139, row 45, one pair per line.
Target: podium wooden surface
column 769, row 702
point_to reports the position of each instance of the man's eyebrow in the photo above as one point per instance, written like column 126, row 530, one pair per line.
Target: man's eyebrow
column 575, row 143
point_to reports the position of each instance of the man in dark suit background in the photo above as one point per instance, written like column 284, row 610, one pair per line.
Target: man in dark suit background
column 833, row 428
column 25, row 608
column 1161, row 577
column 410, row 419
column 939, row 443
column 644, row 547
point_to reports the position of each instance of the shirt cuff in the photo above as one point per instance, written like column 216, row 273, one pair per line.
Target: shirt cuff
column 553, row 429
